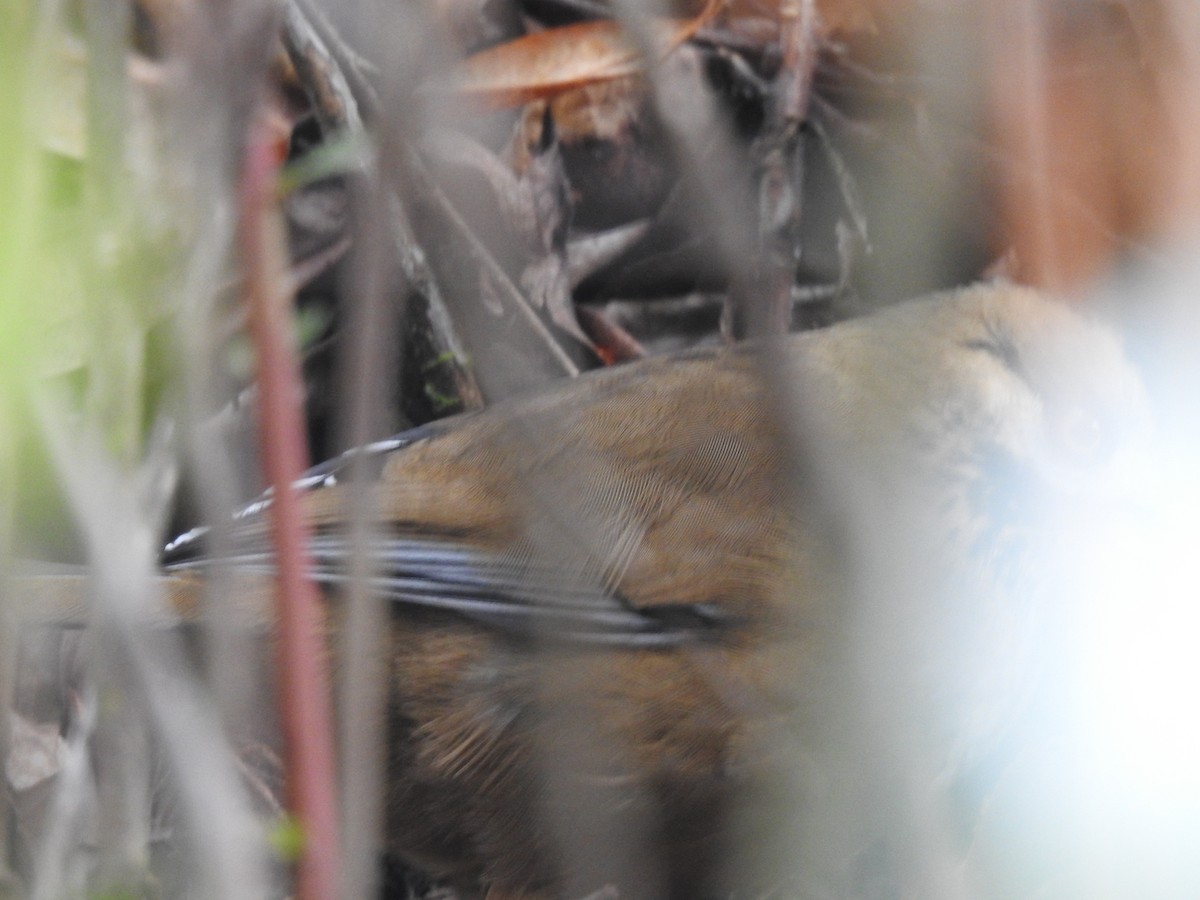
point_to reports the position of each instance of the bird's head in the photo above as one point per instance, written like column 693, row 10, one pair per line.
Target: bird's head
column 967, row 432
column 985, row 385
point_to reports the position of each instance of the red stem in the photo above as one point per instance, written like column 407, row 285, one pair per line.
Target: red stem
column 304, row 695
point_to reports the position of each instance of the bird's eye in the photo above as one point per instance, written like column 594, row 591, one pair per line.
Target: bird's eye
column 1083, row 436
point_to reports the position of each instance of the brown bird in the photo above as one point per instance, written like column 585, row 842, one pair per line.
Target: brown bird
column 629, row 610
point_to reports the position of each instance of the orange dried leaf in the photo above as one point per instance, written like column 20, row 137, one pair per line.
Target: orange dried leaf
column 547, row 63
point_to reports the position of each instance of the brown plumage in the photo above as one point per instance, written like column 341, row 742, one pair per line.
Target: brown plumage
column 612, row 598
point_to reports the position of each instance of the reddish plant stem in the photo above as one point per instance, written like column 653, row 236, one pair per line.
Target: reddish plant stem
column 303, row 680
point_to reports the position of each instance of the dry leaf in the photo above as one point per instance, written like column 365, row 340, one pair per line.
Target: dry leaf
column 549, row 62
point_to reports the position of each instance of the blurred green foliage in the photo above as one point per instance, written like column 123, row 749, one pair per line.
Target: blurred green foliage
column 85, row 263
column 287, row 839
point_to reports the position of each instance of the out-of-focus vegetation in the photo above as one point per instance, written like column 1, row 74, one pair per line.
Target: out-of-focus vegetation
column 88, row 247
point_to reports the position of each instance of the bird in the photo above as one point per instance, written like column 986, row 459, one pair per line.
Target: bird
column 614, row 601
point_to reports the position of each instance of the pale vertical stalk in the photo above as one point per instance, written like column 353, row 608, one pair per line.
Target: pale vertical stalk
column 8, row 663
column 1183, row 89
column 57, row 866
column 120, row 745
column 1024, row 58
column 364, row 648
column 227, row 858
column 219, row 59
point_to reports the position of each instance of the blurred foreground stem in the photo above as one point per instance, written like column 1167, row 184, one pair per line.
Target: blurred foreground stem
column 303, row 680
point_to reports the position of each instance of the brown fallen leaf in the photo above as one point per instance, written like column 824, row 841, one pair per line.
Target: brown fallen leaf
column 546, row 63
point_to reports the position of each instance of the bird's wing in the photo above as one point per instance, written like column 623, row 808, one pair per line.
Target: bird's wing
column 503, row 593
column 562, row 515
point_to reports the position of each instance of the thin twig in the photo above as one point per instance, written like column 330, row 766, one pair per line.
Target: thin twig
column 511, row 298
column 333, row 75
column 418, row 179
